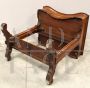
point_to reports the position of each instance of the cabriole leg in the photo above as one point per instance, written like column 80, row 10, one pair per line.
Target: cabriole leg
column 51, row 70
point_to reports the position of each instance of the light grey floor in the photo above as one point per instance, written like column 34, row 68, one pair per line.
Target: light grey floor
column 25, row 72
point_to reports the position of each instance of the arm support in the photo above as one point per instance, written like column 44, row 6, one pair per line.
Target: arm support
column 67, row 49
column 27, row 32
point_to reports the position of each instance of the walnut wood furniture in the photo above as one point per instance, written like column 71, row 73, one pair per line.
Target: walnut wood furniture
column 67, row 37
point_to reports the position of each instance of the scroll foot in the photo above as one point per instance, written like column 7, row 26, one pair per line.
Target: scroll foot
column 52, row 67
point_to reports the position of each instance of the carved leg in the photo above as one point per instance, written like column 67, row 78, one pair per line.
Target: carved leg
column 75, row 53
column 50, row 74
column 10, row 44
column 8, row 53
column 52, row 67
column 7, row 36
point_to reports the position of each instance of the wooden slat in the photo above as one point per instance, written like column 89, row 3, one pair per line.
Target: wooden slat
column 27, row 32
column 31, row 50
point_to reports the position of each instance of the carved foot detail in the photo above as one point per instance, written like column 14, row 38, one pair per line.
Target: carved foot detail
column 49, row 77
column 74, row 55
column 52, row 67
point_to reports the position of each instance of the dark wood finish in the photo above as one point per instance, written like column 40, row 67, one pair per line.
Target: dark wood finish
column 73, row 26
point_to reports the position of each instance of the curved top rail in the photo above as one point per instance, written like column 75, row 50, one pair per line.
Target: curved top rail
column 58, row 15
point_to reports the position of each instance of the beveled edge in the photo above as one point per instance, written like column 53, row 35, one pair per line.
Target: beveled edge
column 58, row 15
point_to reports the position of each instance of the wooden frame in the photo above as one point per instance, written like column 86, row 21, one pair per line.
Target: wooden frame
column 74, row 27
